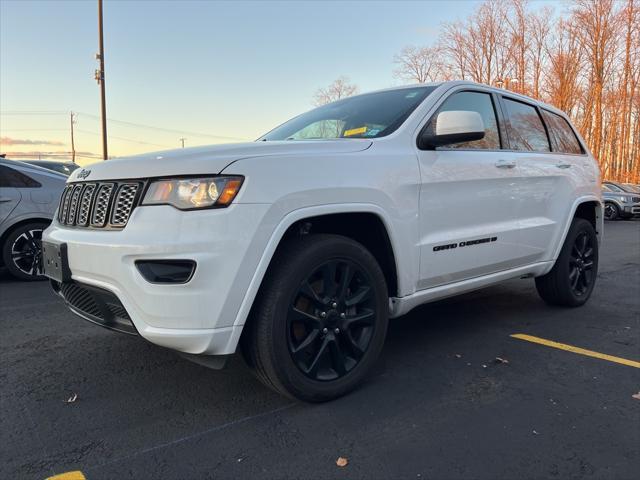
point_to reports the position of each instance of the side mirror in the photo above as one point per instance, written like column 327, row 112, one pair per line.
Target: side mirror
column 453, row 127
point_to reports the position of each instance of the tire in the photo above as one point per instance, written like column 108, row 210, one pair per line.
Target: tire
column 22, row 251
column 611, row 211
column 572, row 278
column 297, row 340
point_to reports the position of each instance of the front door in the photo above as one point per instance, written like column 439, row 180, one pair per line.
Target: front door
column 468, row 224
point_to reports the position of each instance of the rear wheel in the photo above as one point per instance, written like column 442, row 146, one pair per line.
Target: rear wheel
column 320, row 321
column 22, row 251
column 572, row 278
column 611, row 211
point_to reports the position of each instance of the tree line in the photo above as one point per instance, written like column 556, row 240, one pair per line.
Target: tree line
column 584, row 61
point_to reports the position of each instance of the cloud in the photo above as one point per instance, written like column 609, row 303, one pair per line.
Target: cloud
column 27, row 141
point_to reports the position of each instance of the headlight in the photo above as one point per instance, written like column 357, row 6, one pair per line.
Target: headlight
column 623, row 199
column 191, row 193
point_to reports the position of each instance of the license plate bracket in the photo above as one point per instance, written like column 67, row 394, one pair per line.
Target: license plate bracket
column 55, row 261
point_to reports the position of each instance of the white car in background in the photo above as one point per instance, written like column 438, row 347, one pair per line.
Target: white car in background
column 28, row 200
column 300, row 246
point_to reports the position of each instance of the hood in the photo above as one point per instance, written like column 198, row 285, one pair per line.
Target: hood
column 209, row 160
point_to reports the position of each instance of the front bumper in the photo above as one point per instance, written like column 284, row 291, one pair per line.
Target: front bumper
column 632, row 209
column 197, row 317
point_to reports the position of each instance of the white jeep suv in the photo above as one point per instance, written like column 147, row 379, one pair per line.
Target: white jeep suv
column 300, row 246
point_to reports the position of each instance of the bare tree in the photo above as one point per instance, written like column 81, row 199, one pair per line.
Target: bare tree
column 585, row 62
column 562, row 75
column 340, row 88
column 540, row 28
column 418, row 64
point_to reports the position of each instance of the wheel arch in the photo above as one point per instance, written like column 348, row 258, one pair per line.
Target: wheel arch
column 590, row 208
column 323, row 217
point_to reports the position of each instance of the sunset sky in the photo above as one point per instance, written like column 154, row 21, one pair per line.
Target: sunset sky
column 216, row 71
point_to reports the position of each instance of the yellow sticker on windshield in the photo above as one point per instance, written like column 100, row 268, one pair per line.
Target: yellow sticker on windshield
column 354, row 131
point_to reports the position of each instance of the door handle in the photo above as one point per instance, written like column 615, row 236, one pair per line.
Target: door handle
column 4, row 199
column 505, row 164
column 563, row 165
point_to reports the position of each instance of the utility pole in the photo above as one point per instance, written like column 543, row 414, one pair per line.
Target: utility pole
column 100, row 79
column 73, row 146
column 182, row 139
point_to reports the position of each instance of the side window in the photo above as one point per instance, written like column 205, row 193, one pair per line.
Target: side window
column 12, row 178
column 525, row 127
column 475, row 102
column 563, row 139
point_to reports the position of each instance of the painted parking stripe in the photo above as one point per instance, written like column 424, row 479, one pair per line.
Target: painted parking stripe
column 578, row 350
column 75, row 475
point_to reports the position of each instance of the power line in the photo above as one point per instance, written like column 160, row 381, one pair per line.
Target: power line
column 141, row 125
column 18, row 112
column 186, row 132
column 125, row 139
column 34, row 129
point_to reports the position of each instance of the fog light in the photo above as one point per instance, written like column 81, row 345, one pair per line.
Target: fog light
column 166, row 271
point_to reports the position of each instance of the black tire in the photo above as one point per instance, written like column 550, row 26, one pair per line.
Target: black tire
column 611, row 211
column 334, row 361
column 572, row 278
column 22, row 251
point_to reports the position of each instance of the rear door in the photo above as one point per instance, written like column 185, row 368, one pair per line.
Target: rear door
column 544, row 200
column 9, row 195
column 468, row 225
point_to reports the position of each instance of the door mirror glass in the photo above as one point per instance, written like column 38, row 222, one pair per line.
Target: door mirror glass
column 452, row 127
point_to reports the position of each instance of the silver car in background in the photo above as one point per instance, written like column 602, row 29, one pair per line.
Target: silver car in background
column 619, row 203
column 29, row 197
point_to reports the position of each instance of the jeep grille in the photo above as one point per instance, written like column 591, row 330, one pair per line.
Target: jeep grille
column 105, row 205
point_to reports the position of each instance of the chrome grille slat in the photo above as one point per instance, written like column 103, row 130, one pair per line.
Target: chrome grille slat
column 65, row 203
column 105, row 205
column 101, row 207
column 124, row 203
column 73, row 204
column 85, row 204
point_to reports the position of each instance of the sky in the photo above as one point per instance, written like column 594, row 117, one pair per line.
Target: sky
column 207, row 71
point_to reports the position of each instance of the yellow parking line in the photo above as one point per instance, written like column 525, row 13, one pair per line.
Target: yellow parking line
column 75, row 475
column 578, row 350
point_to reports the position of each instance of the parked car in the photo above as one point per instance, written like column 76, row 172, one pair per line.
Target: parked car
column 618, row 203
column 28, row 199
column 620, row 187
column 66, row 168
column 299, row 247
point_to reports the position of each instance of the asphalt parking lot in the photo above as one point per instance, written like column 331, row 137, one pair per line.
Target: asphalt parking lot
column 440, row 405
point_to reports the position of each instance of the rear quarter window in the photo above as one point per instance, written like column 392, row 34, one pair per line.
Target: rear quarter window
column 563, row 139
column 10, row 177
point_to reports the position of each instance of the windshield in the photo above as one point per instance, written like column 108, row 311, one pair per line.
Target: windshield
column 364, row 116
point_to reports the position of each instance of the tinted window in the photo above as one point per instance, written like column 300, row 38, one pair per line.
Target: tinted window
column 525, row 128
column 12, row 178
column 474, row 102
column 563, row 139
column 364, row 116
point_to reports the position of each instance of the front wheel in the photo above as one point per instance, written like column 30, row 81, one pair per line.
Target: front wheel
column 572, row 278
column 320, row 320
column 611, row 211
column 22, row 251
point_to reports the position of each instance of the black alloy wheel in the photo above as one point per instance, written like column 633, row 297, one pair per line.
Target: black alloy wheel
column 320, row 319
column 22, row 251
column 571, row 280
column 581, row 263
column 331, row 320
